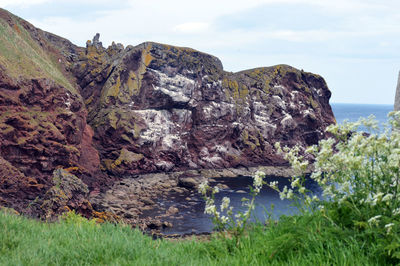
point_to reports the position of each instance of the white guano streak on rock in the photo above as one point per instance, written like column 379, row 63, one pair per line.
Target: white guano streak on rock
column 179, row 87
column 215, row 110
column 67, row 101
column 287, row 121
column 278, row 101
column 206, row 157
column 262, row 119
column 307, row 112
column 160, row 128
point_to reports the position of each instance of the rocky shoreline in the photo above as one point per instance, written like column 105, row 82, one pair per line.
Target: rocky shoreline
column 135, row 198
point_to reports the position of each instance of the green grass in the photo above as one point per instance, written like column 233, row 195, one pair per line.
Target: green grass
column 296, row 240
column 23, row 57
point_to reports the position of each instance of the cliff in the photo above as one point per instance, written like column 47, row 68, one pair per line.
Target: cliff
column 106, row 113
column 156, row 107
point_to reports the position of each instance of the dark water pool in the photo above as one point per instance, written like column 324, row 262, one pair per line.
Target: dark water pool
column 191, row 217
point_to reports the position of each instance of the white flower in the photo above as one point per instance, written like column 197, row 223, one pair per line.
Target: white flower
column 225, row 203
column 283, row 193
column 389, row 227
column 258, row 181
column 387, row 197
column 290, row 194
column 230, row 211
column 375, row 219
column 274, row 184
column 377, row 198
column 203, row 187
column 210, row 209
column 224, row 219
column 396, row 211
column 215, row 190
column 394, row 182
column 311, row 149
column 296, row 182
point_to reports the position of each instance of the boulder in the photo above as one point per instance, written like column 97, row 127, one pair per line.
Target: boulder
column 67, row 193
column 188, row 182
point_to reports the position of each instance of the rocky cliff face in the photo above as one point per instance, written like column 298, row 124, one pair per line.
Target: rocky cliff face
column 42, row 114
column 155, row 107
column 104, row 114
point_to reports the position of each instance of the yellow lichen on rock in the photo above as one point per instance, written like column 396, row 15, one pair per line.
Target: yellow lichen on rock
column 146, row 55
column 114, row 90
column 107, row 164
column 126, row 157
column 312, row 102
column 112, row 119
column 136, row 130
column 133, row 84
column 234, row 86
column 244, row 91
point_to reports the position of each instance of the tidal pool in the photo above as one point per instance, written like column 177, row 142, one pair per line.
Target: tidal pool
column 191, row 218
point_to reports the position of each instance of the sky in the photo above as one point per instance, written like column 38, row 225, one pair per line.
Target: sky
column 353, row 44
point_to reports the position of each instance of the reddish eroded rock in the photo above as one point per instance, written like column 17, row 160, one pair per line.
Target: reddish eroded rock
column 157, row 107
column 41, row 129
column 89, row 158
column 15, row 186
column 44, row 129
column 42, row 115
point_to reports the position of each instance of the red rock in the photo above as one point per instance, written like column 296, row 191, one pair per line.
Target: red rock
column 89, row 158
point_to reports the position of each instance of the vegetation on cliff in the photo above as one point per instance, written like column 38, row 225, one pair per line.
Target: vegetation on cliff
column 17, row 44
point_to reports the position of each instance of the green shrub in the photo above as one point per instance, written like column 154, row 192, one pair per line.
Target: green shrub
column 359, row 172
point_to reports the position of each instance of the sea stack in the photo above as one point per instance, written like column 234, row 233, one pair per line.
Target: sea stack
column 397, row 97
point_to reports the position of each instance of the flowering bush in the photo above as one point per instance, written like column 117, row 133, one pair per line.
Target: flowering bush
column 234, row 224
column 359, row 173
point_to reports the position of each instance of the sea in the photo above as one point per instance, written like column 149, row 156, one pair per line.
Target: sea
column 268, row 202
column 353, row 112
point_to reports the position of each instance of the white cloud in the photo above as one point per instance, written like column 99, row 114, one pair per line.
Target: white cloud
column 192, row 27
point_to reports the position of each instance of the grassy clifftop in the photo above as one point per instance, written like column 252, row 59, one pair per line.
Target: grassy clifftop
column 297, row 240
column 22, row 57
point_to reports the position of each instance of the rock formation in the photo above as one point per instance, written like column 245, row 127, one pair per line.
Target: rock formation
column 110, row 113
column 397, row 97
column 155, row 107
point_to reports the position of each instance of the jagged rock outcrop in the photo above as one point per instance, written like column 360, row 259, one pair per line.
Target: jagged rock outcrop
column 109, row 113
column 156, row 107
